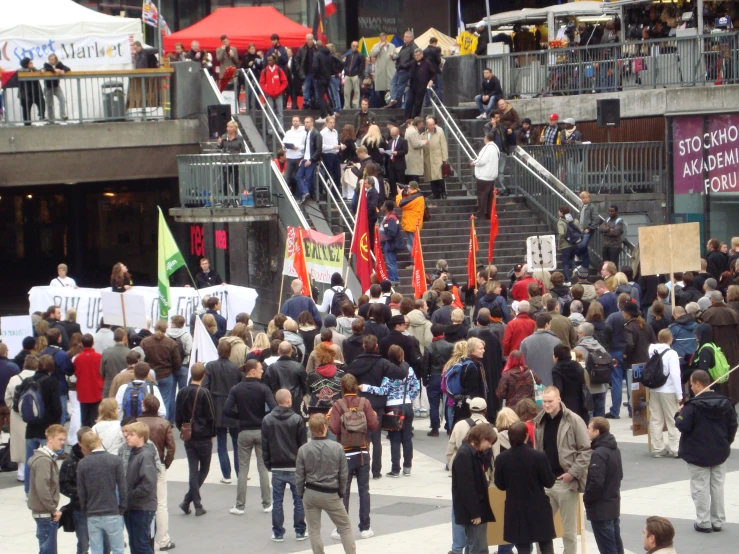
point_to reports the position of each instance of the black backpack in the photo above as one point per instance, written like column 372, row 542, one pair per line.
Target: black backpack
column 653, row 374
column 339, row 298
column 573, row 234
column 180, row 347
column 599, row 367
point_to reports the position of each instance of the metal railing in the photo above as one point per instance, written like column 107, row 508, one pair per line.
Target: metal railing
column 675, row 61
column 272, row 129
column 544, row 194
column 613, row 168
column 78, row 97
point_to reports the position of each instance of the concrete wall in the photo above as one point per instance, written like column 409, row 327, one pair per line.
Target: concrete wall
column 461, row 82
column 94, row 152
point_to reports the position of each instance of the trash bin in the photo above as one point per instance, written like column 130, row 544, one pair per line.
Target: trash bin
column 114, row 100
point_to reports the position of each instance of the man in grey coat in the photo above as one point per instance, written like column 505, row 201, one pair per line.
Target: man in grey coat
column 114, row 360
column 538, row 349
column 589, row 223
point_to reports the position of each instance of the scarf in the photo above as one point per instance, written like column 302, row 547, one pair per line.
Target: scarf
column 440, row 337
column 568, row 132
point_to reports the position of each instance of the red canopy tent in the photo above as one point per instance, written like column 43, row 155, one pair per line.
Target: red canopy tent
column 243, row 26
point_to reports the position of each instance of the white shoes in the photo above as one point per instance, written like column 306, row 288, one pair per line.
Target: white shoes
column 267, row 509
column 225, row 481
column 368, row 534
column 481, row 116
column 236, row 511
column 335, row 535
column 321, row 120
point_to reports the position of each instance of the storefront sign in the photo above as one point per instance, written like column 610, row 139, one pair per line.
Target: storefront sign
column 184, row 301
column 75, row 52
column 706, row 154
column 323, row 254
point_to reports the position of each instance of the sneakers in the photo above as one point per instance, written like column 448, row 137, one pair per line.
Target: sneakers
column 368, row 534
column 200, row 511
column 186, row 508
column 702, row 529
column 335, row 535
column 226, row 481
column 406, row 472
column 304, row 199
column 301, row 536
column 236, row 511
column 611, row 416
column 378, row 476
column 482, row 116
column 321, row 120
column 393, row 475
column 424, row 413
column 659, row 453
column 170, row 546
column 267, row 509
column 670, row 454
column 276, row 539
column 416, row 413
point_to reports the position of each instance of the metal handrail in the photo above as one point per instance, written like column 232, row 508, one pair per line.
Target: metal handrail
column 451, row 125
column 279, row 132
column 288, row 195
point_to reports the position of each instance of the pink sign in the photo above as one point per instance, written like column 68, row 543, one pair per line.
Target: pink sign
column 706, row 154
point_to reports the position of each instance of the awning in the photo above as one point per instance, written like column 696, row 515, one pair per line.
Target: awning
column 538, row 15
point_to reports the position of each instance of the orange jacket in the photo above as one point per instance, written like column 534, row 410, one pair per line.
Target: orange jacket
column 413, row 207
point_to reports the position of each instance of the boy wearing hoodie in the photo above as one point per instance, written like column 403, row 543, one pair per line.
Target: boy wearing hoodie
column 324, row 384
column 283, row 433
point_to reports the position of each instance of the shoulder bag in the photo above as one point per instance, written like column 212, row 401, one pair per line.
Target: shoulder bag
column 186, row 429
column 393, row 419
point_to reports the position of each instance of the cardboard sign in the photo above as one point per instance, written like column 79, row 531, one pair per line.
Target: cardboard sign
column 123, row 309
column 670, row 248
column 639, row 403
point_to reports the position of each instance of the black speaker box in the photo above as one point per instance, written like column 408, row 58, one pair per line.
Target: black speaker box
column 609, row 112
column 262, row 197
column 218, row 116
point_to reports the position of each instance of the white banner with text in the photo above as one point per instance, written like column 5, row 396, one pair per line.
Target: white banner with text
column 109, row 52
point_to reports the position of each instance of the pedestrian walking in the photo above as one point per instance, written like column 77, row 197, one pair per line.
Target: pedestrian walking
column 141, row 481
column 664, row 400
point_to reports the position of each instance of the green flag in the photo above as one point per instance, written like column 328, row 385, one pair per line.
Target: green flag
column 169, row 260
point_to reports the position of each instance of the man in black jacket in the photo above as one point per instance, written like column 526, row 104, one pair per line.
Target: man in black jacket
column 433, row 54
column 288, row 374
column 352, row 346
column 422, row 74
column 398, row 326
column 353, row 70
column 313, row 147
column 246, row 402
column 324, row 66
column 283, row 433
column 603, row 487
column 214, row 304
column 435, row 357
column 396, row 165
column 304, row 63
column 403, row 60
column 195, row 409
column 369, row 369
column 708, row 425
column 207, row 277
column 490, row 93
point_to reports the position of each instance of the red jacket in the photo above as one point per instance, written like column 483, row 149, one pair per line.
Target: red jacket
column 517, row 330
column 89, row 380
column 273, row 83
column 520, row 288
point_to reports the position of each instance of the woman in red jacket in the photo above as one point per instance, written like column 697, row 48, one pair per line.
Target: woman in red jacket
column 89, row 381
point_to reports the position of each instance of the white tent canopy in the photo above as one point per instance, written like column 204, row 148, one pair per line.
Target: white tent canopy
column 39, row 19
column 529, row 15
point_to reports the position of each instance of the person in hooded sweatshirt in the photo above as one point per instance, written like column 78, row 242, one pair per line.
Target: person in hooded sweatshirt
column 324, row 384
column 684, row 341
column 568, row 376
column 293, row 336
column 708, row 424
column 352, row 345
column 288, row 374
column 517, row 381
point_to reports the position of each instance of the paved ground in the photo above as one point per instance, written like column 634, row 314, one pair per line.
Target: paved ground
column 410, row 513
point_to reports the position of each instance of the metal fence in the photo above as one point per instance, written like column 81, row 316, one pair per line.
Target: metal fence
column 142, row 94
column 615, row 168
column 676, row 61
column 223, row 180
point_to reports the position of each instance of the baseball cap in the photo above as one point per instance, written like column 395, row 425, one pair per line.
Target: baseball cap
column 570, row 121
column 553, row 117
column 517, row 268
column 477, row 404
column 582, row 272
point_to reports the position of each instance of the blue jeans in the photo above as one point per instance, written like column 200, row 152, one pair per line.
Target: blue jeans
column 433, row 389
column 398, row 84
column 138, row 525
column 65, row 413
column 403, row 437
column 359, row 467
column 80, row 529
column 567, row 260
column 281, row 479
column 106, row 534
column 305, row 178
column 617, row 379
column 582, row 249
column 167, row 387
column 181, row 377
column 222, row 445
column 391, row 260
column 309, row 90
column 459, row 539
column 599, row 404
column 608, row 536
column 333, row 92
column 482, row 108
column 448, row 417
column 31, row 445
column 46, row 531
column 409, row 237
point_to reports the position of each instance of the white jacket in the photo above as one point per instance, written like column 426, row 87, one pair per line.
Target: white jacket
column 671, row 365
column 110, row 434
column 486, row 164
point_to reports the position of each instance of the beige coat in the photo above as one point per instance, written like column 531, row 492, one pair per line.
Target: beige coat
column 238, row 349
column 225, row 61
column 17, row 425
column 420, row 328
column 384, row 65
column 435, row 153
column 414, row 158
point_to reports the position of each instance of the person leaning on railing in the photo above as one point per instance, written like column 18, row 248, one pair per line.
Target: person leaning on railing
column 52, row 88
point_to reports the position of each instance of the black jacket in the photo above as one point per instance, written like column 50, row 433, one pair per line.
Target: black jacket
column 283, row 433
column 304, row 60
column 435, row 357
column 380, row 330
column 246, row 403
column 53, row 83
column 373, row 201
column 637, row 341
column 53, row 323
column 473, row 381
column 325, row 65
column 141, row 479
column 491, row 87
column 717, row 262
column 569, row 378
column 433, row 55
column 421, row 73
column 455, row 332
column 49, row 389
column 68, row 476
column 409, row 344
column 524, row 473
column 405, row 56
column 369, row 369
column 603, row 488
column 288, row 374
column 492, row 361
column 687, row 295
column 708, row 425
column 316, row 146
column 352, row 347
column 354, row 64
column 364, row 312
column 470, row 486
column 204, row 422
column 398, row 160
column 210, row 279
column 220, row 377
column 221, row 323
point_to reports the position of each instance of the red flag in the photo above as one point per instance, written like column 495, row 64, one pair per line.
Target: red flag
column 329, row 7
column 457, row 302
column 419, row 273
column 380, row 266
column 472, row 256
column 301, row 268
column 360, row 244
column 493, row 227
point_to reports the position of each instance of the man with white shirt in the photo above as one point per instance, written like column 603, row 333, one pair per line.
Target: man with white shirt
column 331, row 149
column 486, row 172
column 337, row 285
column 61, row 280
column 140, row 373
column 663, row 401
column 294, row 141
column 312, row 151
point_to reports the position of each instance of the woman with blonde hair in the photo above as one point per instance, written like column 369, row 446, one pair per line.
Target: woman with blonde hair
column 108, row 426
column 211, row 326
column 505, row 419
column 17, row 425
column 459, row 353
column 237, row 339
column 373, row 142
column 70, row 323
column 260, row 349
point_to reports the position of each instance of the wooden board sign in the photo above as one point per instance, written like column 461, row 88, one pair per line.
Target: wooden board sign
column 670, row 248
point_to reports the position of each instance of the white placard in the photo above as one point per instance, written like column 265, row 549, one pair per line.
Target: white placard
column 13, row 329
column 109, row 52
column 124, row 310
column 541, row 252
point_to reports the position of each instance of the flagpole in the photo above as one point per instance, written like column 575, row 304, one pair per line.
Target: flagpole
column 159, row 29
column 282, row 286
